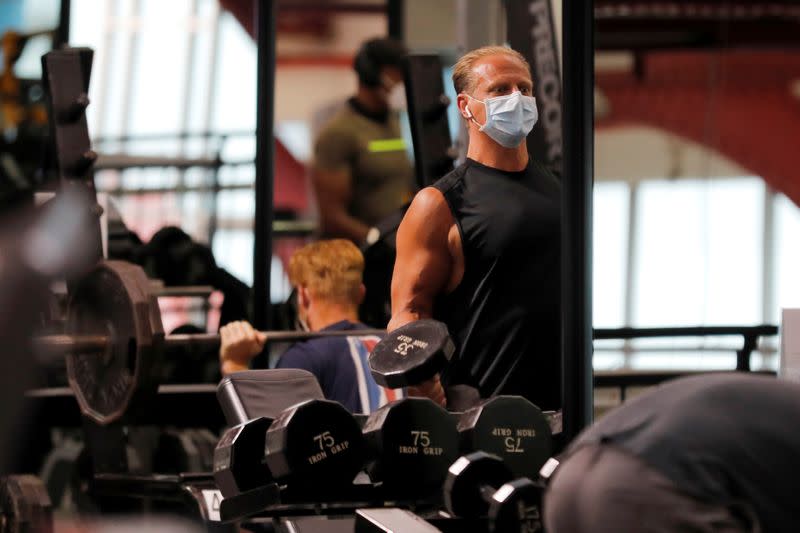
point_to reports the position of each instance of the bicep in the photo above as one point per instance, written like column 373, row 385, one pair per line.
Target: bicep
column 424, row 263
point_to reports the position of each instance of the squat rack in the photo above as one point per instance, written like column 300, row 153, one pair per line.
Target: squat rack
column 576, row 232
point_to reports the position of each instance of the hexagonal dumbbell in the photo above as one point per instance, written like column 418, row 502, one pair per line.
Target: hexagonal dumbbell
column 315, row 444
column 411, row 354
column 411, row 444
column 510, row 427
column 238, row 458
column 480, row 484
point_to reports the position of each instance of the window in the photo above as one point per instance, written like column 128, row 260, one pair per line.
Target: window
column 699, row 252
column 609, row 266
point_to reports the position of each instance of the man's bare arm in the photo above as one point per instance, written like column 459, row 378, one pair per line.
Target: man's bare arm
column 424, row 265
column 334, row 189
column 423, row 269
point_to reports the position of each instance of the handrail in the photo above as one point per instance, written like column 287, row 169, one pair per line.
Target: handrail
column 750, row 335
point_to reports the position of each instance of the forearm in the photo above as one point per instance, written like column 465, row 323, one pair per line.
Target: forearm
column 406, row 315
column 229, row 367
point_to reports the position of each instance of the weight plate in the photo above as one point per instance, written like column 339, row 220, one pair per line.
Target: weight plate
column 25, row 505
column 114, row 299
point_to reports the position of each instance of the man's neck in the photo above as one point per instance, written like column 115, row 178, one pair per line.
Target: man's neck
column 370, row 101
column 487, row 152
column 327, row 315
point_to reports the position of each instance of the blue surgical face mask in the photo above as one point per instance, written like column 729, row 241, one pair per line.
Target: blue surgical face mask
column 509, row 118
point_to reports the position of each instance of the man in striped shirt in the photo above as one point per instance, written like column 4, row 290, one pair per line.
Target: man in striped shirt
column 327, row 277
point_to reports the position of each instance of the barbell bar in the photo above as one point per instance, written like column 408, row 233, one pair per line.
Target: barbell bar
column 71, row 343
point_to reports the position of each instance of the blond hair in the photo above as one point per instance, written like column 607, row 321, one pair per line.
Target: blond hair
column 330, row 269
column 463, row 76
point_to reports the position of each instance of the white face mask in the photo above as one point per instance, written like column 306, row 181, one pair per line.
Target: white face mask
column 397, row 98
column 509, row 118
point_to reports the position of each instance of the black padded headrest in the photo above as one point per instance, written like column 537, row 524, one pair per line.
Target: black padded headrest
column 253, row 393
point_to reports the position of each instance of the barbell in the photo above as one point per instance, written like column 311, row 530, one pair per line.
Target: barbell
column 72, row 343
column 114, row 338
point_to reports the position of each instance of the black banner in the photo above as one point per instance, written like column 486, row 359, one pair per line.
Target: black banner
column 531, row 31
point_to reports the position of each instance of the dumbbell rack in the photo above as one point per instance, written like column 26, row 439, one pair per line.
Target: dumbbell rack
column 197, row 492
column 272, row 501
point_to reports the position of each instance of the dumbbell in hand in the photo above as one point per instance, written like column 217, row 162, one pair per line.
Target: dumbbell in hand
column 316, row 445
column 411, row 354
column 509, row 426
column 480, row 484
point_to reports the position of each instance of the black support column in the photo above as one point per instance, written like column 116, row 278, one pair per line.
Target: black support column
column 395, row 19
column 266, row 13
column 576, row 292
column 61, row 36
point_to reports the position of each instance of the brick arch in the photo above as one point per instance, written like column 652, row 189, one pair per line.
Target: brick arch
column 738, row 103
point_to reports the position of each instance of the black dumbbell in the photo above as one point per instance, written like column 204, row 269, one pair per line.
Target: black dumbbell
column 510, row 427
column 480, row 484
column 315, row 445
column 411, row 354
column 412, row 442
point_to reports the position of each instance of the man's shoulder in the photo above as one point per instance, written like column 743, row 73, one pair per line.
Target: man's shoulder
column 451, row 179
column 342, row 121
column 326, row 346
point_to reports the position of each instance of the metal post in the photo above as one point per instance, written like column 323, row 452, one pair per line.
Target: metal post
column 477, row 24
column 631, row 266
column 395, row 19
column 266, row 13
column 191, row 52
column 61, row 37
column 768, row 304
column 576, row 291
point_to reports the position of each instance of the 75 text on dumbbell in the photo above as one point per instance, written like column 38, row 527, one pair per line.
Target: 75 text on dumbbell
column 513, row 437
column 407, row 343
column 421, row 441
column 327, row 444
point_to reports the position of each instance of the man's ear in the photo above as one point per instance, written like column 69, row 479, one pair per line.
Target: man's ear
column 462, row 102
column 303, row 297
column 362, row 292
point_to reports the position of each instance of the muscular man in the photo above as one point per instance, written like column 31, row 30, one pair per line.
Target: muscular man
column 706, row 453
column 327, row 278
column 361, row 172
column 480, row 249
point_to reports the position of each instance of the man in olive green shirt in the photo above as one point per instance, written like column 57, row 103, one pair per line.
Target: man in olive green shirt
column 361, row 172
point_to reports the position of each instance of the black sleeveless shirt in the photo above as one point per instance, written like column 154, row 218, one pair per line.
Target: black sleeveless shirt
column 505, row 315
